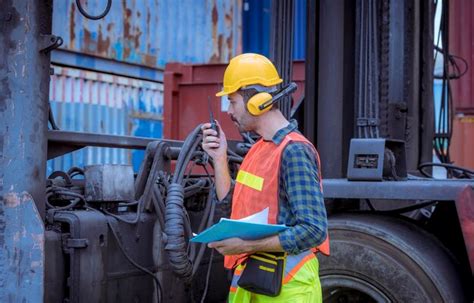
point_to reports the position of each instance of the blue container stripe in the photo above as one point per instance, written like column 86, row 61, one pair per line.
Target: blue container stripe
column 152, row 32
column 256, row 27
column 299, row 44
column 101, row 103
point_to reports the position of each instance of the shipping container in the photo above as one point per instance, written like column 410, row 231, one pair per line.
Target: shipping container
column 187, row 89
column 101, row 103
column 110, row 70
column 461, row 44
column 462, row 145
column 256, row 20
column 152, row 32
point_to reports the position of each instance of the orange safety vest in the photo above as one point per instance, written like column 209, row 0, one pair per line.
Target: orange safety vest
column 256, row 187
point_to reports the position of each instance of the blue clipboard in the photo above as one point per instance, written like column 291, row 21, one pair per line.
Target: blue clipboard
column 228, row 228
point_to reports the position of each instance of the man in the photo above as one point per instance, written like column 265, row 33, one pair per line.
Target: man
column 280, row 172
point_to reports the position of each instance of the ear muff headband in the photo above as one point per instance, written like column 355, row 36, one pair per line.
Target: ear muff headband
column 263, row 102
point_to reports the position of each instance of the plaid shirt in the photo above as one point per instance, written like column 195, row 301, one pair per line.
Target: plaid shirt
column 301, row 203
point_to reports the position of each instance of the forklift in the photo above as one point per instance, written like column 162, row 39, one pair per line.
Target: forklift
column 104, row 233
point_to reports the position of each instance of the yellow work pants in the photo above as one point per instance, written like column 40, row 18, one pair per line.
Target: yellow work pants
column 304, row 287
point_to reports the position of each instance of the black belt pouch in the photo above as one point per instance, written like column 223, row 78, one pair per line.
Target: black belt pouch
column 263, row 273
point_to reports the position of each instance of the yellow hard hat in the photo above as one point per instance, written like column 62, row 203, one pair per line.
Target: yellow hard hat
column 249, row 69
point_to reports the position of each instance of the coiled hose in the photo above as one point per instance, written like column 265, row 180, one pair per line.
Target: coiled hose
column 177, row 226
column 184, row 259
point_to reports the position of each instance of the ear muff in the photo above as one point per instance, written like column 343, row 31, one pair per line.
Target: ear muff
column 256, row 101
column 262, row 102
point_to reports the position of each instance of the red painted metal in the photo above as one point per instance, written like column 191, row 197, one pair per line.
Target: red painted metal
column 186, row 89
column 465, row 210
column 461, row 43
column 462, row 147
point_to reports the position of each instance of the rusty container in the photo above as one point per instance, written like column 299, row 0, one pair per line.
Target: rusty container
column 186, row 91
column 461, row 44
column 151, row 32
column 462, row 143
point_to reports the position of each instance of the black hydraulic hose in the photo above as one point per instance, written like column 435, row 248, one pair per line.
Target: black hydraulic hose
column 159, row 205
column 51, row 119
column 74, row 171
column 73, row 204
column 159, row 289
column 195, row 188
column 187, row 158
column 188, row 234
column 210, row 217
column 177, row 223
column 207, row 213
column 62, row 191
column 465, row 171
column 176, row 246
column 186, row 154
column 134, row 220
column 208, row 275
column 116, row 234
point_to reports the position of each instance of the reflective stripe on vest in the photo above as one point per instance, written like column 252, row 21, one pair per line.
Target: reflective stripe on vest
column 250, row 180
column 294, row 263
column 257, row 186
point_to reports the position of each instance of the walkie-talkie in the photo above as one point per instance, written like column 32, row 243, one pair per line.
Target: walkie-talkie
column 211, row 117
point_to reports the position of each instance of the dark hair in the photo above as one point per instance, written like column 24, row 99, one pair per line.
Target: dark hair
column 247, row 93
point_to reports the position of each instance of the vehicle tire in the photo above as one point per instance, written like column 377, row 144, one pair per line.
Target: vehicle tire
column 378, row 258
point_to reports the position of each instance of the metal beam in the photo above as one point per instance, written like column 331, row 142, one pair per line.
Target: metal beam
column 63, row 142
column 281, row 45
column 311, row 72
column 427, row 69
column 440, row 190
column 335, row 84
column 25, row 28
column 24, row 89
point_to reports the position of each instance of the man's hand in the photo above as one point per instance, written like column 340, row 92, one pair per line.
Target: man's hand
column 237, row 246
column 215, row 146
column 232, row 246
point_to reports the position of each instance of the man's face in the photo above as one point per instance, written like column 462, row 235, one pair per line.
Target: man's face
column 239, row 114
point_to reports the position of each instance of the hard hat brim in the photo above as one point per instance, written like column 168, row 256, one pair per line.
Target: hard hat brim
column 224, row 93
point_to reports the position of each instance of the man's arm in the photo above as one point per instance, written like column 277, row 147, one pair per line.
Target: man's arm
column 222, row 178
column 216, row 147
column 301, row 183
column 236, row 246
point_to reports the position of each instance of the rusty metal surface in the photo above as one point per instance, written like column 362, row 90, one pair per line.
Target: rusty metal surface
column 153, row 32
column 461, row 43
column 465, row 210
column 24, row 80
column 22, row 249
column 102, row 103
column 462, row 148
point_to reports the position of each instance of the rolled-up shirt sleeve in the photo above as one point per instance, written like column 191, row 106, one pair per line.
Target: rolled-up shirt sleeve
column 307, row 213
